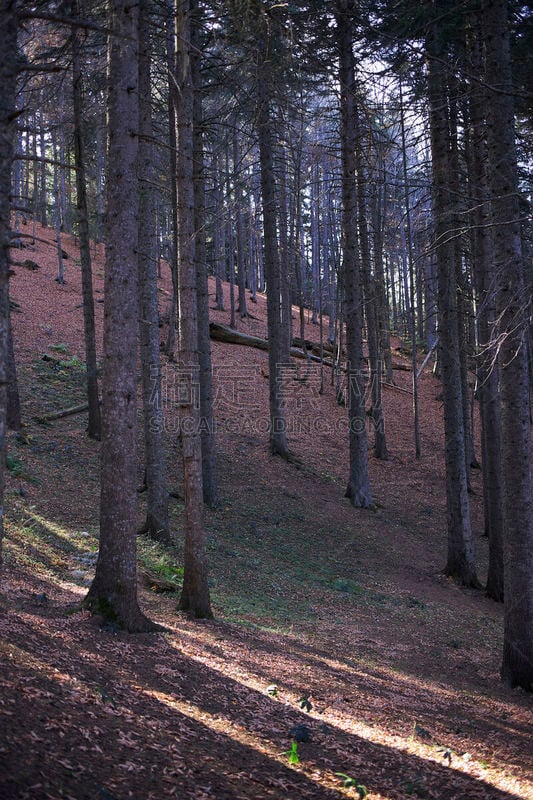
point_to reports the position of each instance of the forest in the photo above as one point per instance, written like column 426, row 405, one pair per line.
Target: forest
column 266, row 361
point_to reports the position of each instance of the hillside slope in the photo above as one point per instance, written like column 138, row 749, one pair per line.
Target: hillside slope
column 328, row 617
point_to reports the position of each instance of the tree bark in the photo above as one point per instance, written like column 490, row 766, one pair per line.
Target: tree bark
column 358, row 489
column 94, row 426
column 173, row 311
column 410, row 261
column 487, row 366
column 460, row 562
column 209, row 469
column 513, row 309
column 157, row 524
column 57, row 210
column 195, row 593
column 239, row 227
column 8, row 80
column 113, row 592
column 272, row 266
column 370, row 306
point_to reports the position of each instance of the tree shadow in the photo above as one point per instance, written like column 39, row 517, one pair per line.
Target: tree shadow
column 136, row 716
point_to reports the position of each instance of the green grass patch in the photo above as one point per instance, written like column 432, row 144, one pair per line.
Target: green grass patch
column 160, row 562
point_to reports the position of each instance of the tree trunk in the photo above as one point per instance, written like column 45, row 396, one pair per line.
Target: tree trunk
column 219, row 236
column 57, row 211
column 157, row 524
column 195, row 593
column 278, row 436
column 358, row 489
column 173, row 311
column 487, row 367
column 517, row 663
column 13, row 414
column 460, row 562
column 113, row 592
column 100, row 167
column 370, row 306
column 239, row 229
column 410, row 260
column 285, row 286
column 209, row 470
column 379, row 207
column 8, row 80
column 42, row 179
column 230, row 241
column 94, row 426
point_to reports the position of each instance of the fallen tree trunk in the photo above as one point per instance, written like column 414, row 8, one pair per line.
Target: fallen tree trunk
column 66, row 412
column 223, row 333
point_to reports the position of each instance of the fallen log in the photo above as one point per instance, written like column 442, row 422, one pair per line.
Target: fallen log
column 223, row 333
column 66, row 412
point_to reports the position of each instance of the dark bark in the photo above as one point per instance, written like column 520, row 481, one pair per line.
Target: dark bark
column 229, row 255
column 513, row 309
column 410, row 261
column 285, row 284
column 13, row 413
column 94, row 425
column 272, row 266
column 57, row 211
column 219, row 238
column 157, row 524
column 113, row 592
column 379, row 207
column 358, row 489
column 195, row 593
column 173, row 311
column 487, row 366
column 239, row 227
column 370, row 306
column 460, row 561
column 8, row 78
column 43, row 183
column 209, row 469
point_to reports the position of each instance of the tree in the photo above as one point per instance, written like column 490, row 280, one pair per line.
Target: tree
column 272, row 263
column 113, row 592
column 157, row 524
column 209, row 472
column 460, row 561
column 358, row 489
column 195, row 592
column 93, row 429
column 8, row 80
column 513, row 307
column 483, row 273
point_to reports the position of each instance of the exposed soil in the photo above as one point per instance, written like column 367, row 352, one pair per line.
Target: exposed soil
column 327, row 617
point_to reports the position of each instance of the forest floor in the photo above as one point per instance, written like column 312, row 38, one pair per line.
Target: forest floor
column 331, row 624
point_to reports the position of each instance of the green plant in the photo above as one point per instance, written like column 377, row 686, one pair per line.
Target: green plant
column 59, row 348
column 72, row 362
column 14, row 465
column 350, row 783
column 292, row 754
column 159, row 561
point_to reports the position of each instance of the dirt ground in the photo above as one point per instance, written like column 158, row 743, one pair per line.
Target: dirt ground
column 336, row 637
